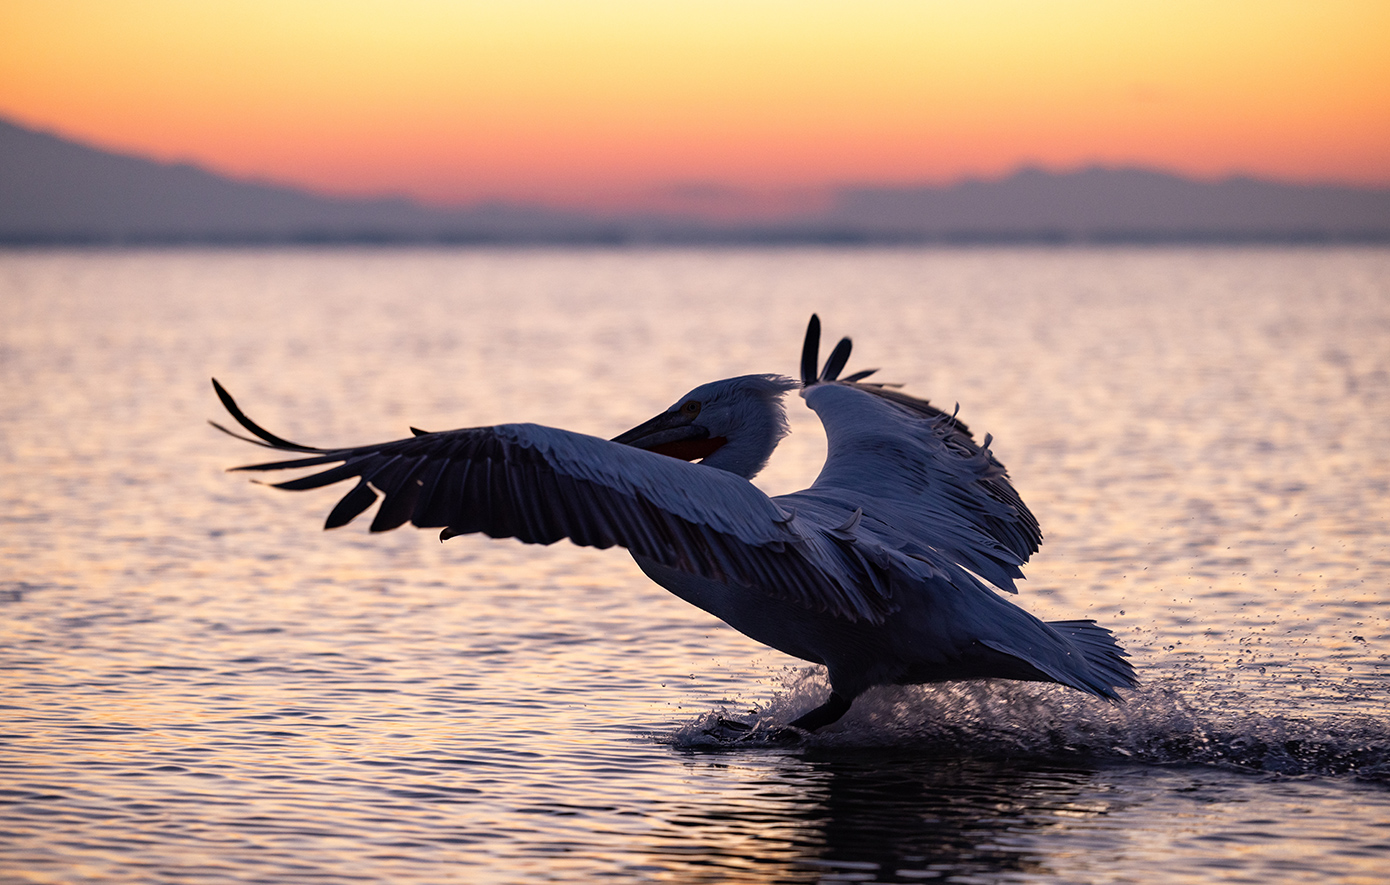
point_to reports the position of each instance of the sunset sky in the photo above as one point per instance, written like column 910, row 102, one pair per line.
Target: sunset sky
column 618, row 103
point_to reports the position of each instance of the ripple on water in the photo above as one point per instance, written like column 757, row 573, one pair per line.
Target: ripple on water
column 196, row 685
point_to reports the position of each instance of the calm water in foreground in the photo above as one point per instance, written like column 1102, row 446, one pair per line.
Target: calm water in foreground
column 199, row 685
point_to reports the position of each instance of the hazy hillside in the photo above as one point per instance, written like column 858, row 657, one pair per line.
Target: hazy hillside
column 1119, row 204
column 55, row 191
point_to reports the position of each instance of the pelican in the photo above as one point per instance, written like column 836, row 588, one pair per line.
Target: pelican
column 885, row 570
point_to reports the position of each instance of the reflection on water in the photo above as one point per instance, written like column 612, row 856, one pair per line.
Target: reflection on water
column 199, row 685
column 886, row 816
column 902, row 817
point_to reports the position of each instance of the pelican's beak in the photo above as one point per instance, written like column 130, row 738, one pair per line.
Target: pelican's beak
column 674, row 434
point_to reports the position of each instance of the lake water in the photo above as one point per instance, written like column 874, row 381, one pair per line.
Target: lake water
column 199, row 685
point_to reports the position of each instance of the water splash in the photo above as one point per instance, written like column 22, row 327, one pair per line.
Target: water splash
column 1165, row 722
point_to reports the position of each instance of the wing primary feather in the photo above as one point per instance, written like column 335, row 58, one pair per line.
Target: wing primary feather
column 860, row 375
column 448, row 507
column 433, row 501
column 292, row 463
column 234, row 435
column 810, row 351
column 400, row 500
column 383, row 472
column 324, row 478
column 353, row 503
column 837, row 359
column 236, row 412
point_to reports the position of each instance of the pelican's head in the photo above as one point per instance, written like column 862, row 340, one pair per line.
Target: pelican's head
column 732, row 424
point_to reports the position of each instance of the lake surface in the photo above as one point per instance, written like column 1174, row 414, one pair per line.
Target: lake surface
column 199, row 685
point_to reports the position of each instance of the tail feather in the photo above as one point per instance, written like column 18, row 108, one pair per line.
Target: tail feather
column 1079, row 654
column 1107, row 668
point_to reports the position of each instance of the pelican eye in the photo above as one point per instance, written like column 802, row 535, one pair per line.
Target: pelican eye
column 691, row 408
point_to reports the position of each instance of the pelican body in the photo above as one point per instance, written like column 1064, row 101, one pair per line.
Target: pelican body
column 886, row 570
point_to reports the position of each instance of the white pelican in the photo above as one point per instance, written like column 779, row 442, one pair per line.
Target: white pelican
column 883, row 570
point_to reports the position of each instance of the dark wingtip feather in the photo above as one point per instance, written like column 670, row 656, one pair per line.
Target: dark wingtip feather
column 234, row 435
column 810, row 352
column 352, row 504
column 860, row 375
column 836, row 362
column 235, row 411
column 415, row 431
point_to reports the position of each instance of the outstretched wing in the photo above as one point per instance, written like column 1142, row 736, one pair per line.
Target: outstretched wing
column 540, row 484
column 921, row 479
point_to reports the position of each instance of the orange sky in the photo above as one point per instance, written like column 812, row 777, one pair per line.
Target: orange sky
column 611, row 103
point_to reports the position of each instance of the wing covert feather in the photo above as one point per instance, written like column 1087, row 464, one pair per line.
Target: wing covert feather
column 933, row 492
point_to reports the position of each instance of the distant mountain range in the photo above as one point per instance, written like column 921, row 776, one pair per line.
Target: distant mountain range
column 54, row 191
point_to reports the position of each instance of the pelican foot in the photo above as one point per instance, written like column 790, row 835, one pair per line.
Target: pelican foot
column 834, row 707
column 732, row 732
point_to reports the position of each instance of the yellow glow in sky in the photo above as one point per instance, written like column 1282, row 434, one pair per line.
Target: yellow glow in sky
column 609, row 102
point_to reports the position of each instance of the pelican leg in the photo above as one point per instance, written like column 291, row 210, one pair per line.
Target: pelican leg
column 834, row 707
